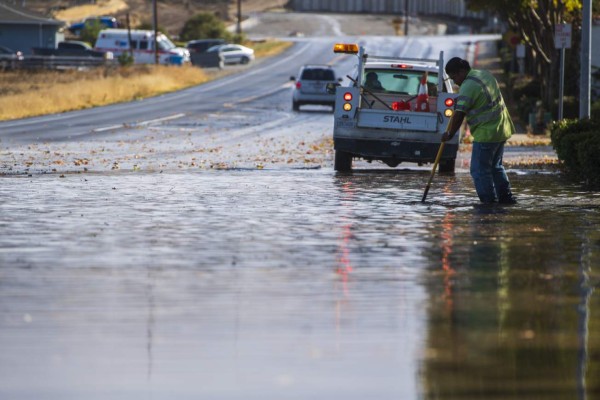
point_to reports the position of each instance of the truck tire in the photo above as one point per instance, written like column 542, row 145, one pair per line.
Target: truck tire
column 295, row 106
column 342, row 161
column 447, row 166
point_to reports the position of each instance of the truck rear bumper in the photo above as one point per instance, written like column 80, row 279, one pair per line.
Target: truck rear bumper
column 398, row 150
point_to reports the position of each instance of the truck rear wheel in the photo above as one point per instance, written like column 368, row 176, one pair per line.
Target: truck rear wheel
column 447, row 166
column 343, row 161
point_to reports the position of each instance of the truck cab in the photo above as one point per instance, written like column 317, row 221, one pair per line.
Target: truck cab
column 395, row 111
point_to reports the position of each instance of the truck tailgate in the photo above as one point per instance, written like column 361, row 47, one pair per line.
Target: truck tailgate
column 412, row 121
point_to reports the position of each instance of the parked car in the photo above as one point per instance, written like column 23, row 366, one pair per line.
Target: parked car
column 201, row 45
column 311, row 86
column 69, row 48
column 105, row 21
column 9, row 58
column 233, row 53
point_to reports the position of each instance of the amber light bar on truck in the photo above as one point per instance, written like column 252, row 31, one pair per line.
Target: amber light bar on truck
column 346, row 48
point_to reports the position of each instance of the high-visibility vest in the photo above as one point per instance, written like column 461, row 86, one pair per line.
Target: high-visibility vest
column 481, row 101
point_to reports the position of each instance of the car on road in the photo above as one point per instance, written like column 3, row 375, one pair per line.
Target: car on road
column 201, row 45
column 233, row 53
column 311, row 86
column 9, row 58
column 104, row 21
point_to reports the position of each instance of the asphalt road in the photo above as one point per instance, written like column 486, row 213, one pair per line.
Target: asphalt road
column 231, row 121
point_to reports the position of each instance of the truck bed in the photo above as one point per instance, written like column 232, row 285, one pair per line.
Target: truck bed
column 368, row 102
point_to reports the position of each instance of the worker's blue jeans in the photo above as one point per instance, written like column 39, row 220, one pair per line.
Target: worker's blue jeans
column 491, row 182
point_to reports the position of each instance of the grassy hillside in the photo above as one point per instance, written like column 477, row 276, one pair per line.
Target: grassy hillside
column 172, row 14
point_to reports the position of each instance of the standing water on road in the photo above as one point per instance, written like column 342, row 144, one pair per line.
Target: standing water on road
column 273, row 284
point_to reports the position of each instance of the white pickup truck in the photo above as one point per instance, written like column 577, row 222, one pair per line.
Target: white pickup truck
column 383, row 117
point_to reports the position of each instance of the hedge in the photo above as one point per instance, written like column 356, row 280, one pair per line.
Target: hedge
column 589, row 159
column 577, row 145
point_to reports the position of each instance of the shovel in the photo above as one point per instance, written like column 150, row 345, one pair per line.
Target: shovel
column 435, row 164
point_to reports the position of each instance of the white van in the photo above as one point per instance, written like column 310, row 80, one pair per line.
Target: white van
column 118, row 42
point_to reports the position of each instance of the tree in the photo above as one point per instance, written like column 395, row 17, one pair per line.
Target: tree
column 535, row 21
column 149, row 26
column 204, row 26
column 90, row 31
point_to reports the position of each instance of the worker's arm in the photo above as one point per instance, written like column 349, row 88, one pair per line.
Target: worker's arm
column 453, row 126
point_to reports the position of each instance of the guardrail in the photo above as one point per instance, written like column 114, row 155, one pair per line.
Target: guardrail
column 59, row 62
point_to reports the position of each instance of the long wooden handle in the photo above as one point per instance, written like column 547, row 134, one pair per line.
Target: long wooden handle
column 435, row 164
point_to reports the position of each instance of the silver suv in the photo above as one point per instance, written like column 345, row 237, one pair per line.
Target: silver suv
column 311, row 86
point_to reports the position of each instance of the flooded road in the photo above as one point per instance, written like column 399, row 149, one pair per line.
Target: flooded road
column 296, row 284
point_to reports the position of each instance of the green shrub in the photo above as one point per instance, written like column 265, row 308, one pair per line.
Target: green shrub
column 595, row 108
column 567, row 127
column 125, row 59
column 569, row 151
column 204, row 26
column 90, row 31
column 588, row 152
column 577, row 145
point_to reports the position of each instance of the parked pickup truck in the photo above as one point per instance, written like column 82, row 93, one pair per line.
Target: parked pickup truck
column 396, row 111
column 70, row 48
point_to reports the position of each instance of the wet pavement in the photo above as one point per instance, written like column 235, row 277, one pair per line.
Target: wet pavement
column 215, row 254
column 294, row 284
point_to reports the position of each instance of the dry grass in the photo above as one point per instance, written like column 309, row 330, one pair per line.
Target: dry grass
column 268, row 48
column 27, row 94
column 101, row 7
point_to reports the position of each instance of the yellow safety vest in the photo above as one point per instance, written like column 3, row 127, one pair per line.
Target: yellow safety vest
column 479, row 97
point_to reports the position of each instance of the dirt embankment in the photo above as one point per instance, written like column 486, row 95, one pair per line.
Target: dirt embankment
column 172, row 13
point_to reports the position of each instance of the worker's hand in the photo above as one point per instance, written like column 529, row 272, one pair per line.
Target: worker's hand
column 447, row 136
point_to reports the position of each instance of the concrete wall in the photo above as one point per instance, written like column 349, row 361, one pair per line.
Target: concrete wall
column 455, row 8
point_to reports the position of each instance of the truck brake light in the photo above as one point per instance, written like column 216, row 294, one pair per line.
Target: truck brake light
column 298, row 85
column 347, row 96
column 449, row 102
column 403, row 66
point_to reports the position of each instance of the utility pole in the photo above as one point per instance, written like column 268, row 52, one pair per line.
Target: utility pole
column 238, row 27
column 155, row 11
column 586, row 59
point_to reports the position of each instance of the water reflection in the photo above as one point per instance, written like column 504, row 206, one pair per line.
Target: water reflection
column 510, row 322
column 304, row 284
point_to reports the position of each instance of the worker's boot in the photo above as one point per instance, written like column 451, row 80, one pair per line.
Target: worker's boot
column 508, row 198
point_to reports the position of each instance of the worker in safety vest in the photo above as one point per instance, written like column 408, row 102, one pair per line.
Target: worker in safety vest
column 480, row 101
